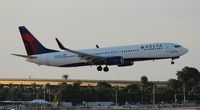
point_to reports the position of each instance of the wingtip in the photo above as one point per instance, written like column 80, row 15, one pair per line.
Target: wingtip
column 13, row 54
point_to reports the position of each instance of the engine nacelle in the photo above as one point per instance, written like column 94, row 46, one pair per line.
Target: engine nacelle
column 126, row 63
column 114, row 60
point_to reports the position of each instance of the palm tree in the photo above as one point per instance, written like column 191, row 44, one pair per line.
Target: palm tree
column 48, row 88
column 34, row 92
column 65, row 76
column 144, row 81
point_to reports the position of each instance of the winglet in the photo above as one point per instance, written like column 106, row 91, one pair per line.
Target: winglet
column 97, row 46
column 60, row 45
column 82, row 55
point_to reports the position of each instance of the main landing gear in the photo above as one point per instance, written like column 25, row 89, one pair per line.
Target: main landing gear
column 99, row 68
column 105, row 69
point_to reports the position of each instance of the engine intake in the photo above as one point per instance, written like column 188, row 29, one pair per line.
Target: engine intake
column 115, row 60
column 126, row 63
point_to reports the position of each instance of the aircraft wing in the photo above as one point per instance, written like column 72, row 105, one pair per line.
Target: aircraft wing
column 90, row 58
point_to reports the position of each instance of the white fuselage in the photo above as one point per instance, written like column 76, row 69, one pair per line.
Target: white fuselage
column 133, row 53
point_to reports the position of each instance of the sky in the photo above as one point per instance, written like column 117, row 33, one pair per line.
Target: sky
column 81, row 24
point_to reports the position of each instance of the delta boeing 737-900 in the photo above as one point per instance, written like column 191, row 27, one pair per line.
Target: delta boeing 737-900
column 119, row 55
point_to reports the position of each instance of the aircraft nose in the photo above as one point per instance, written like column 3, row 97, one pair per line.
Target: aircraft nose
column 185, row 50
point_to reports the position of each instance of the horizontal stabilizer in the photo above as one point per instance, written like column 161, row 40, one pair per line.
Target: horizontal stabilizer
column 24, row 56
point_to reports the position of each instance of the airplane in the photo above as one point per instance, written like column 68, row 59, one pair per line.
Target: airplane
column 118, row 55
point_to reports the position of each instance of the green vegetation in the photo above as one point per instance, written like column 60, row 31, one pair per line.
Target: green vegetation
column 188, row 78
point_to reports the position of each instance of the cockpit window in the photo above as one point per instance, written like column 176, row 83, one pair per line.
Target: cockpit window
column 177, row 46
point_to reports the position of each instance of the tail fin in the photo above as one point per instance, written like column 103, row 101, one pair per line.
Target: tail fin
column 32, row 45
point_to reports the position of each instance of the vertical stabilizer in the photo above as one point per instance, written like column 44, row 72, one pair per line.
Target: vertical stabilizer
column 32, row 45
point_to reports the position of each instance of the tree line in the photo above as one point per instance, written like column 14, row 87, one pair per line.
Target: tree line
column 187, row 82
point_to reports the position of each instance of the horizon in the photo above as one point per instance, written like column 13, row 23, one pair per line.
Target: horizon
column 83, row 24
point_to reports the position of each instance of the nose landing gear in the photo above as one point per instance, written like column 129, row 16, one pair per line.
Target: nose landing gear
column 172, row 62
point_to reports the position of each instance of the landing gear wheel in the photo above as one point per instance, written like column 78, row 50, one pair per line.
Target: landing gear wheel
column 106, row 69
column 99, row 68
column 172, row 62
